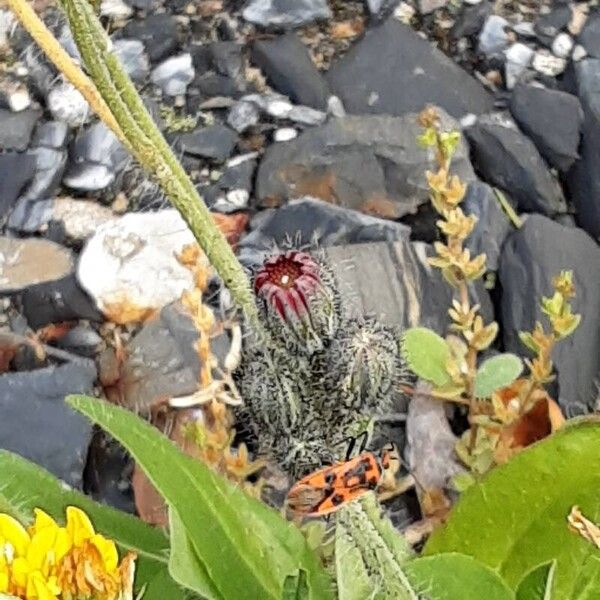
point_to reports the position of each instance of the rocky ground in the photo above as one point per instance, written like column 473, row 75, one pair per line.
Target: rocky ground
column 296, row 119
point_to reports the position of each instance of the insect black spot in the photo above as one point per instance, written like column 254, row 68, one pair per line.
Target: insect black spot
column 373, row 482
column 330, row 478
column 336, row 500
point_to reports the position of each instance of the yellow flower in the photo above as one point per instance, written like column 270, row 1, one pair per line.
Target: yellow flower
column 50, row 562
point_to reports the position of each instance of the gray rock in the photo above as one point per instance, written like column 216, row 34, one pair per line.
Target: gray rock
column 493, row 38
column 133, row 57
column 51, row 134
column 285, row 13
column 27, row 262
column 391, row 70
column 16, row 171
column 381, row 8
column 532, row 256
column 49, row 168
column 157, row 32
column 428, row 6
column 289, row 69
column 57, row 301
column 174, row 74
column 216, row 142
column 394, row 283
column 470, row 20
column 38, row 425
column 548, row 26
column 504, row 157
column 242, row 116
column 162, row 361
column 232, row 191
column 584, row 178
column 226, row 58
column 96, row 158
column 65, row 103
column 518, row 58
column 81, row 340
column 492, row 223
column 16, row 128
column 589, row 37
column 552, row 119
column 369, row 163
column 304, row 115
column 308, row 222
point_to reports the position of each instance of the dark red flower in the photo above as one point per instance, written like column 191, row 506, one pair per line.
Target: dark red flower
column 287, row 281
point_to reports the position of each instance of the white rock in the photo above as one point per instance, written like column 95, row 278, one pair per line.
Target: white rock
column 405, row 12
column 280, row 109
column 524, row 29
column 305, row 115
column 335, row 107
column 472, row 2
column 67, row 104
column 547, row 64
column 579, row 53
column 493, row 38
column 238, row 198
column 7, row 23
column 285, row 134
column 518, row 58
column 116, row 9
column 17, row 97
column 129, row 266
column 174, row 74
column 81, row 218
column 562, row 45
column 132, row 55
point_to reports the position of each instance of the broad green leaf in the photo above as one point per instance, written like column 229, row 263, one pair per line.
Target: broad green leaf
column 426, row 354
column 184, row 565
column 516, row 518
column 588, row 582
column 538, row 583
column 497, row 372
column 455, row 577
column 25, row 486
column 243, row 544
column 295, row 587
column 352, row 577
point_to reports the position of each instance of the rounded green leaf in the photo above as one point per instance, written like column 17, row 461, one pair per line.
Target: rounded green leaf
column 537, row 584
column 455, row 576
column 427, row 354
column 497, row 372
column 516, row 519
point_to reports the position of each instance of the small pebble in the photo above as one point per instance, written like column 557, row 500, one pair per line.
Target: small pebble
column 518, row 58
column 405, row 12
column 547, row 64
column 579, row 53
column 285, row 134
column 562, row 45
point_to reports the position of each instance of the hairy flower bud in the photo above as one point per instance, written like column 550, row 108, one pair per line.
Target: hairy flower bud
column 298, row 299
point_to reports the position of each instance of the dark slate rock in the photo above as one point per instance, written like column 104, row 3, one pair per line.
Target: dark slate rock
column 51, row 134
column 308, row 222
column 504, row 157
column 371, row 163
column 552, row 119
column 57, row 301
column 289, row 69
column 50, row 166
column 379, row 9
column 158, row 33
column 16, row 128
column 133, row 57
column 394, row 282
column 211, row 85
column 393, row 71
column 16, row 171
column 162, row 361
column 82, row 340
column 285, row 13
column 232, row 191
column 589, row 37
column 532, row 256
column 584, row 178
column 548, row 26
column 492, row 223
column 38, row 425
column 470, row 20
column 216, row 142
column 226, row 58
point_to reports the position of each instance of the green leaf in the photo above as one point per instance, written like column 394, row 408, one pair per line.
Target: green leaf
column 456, row 577
column 427, row 355
column 516, row 518
column 25, row 486
column 495, row 373
column 538, row 583
column 242, row 544
column 295, row 587
column 588, row 582
column 352, row 577
column 184, row 564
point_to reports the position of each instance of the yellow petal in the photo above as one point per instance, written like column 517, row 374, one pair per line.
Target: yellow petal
column 41, row 589
column 13, row 532
column 79, row 526
column 62, row 544
column 41, row 550
column 42, row 521
column 108, row 552
column 21, row 570
column 3, row 581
